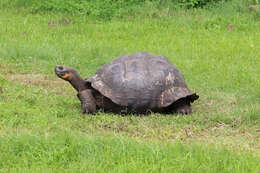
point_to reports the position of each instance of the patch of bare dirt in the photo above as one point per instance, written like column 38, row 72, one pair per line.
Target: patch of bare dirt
column 62, row 21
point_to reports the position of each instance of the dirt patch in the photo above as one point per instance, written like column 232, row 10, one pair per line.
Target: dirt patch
column 52, row 84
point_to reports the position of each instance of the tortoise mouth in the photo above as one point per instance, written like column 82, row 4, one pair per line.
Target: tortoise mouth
column 60, row 70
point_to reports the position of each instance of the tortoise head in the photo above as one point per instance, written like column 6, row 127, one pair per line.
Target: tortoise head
column 70, row 75
column 65, row 73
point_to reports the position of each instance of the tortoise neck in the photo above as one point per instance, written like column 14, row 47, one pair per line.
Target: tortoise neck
column 78, row 83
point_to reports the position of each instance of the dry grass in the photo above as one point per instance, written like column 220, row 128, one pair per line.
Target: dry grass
column 53, row 85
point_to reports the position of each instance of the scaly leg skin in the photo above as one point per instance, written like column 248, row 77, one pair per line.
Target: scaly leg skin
column 183, row 109
column 88, row 103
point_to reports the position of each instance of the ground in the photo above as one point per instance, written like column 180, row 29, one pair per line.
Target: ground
column 41, row 126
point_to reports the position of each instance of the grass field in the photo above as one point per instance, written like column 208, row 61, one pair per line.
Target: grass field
column 41, row 127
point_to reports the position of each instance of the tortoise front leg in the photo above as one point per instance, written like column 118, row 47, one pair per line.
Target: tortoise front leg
column 88, row 102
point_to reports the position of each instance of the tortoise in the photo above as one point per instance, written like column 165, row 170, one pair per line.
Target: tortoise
column 136, row 83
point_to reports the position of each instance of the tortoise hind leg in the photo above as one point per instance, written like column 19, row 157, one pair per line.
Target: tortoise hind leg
column 183, row 109
column 181, row 106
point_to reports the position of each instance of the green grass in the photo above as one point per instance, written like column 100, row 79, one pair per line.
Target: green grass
column 65, row 153
column 42, row 130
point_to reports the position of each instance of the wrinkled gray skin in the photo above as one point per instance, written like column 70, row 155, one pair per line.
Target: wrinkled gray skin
column 137, row 83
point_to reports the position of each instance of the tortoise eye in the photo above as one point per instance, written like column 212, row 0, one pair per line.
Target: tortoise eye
column 60, row 68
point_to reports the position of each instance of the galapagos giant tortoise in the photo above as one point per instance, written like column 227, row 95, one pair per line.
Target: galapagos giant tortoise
column 136, row 83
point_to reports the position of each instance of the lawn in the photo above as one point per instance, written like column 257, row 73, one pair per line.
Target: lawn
column 42, row 129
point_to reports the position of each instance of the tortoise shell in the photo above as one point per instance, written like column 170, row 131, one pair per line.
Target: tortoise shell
column 141, row 81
